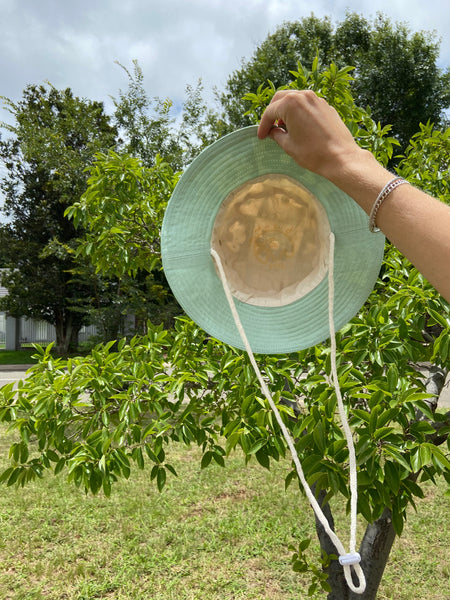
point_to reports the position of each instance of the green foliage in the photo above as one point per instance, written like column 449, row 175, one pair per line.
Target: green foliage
column 212, row 534
column 120, row 217
column 300, row 564
column 121, row 213
column 53, row 140
column 149, row 126
column 396, row 72
column 398, row 75
column 146, row 124
column 426, row 162
column 274, row 59
column 98, row 417
column 333, row 84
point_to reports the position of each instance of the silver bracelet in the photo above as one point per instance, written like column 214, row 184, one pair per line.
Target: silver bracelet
column 388, row 188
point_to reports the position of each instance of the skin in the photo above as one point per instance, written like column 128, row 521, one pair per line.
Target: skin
column 311, row 131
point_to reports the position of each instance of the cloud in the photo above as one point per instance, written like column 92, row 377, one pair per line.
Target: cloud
column 176, row 42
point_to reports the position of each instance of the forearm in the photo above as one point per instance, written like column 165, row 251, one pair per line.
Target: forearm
column 417, row 224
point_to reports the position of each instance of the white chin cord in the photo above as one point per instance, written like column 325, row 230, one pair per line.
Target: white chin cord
column 352, row 558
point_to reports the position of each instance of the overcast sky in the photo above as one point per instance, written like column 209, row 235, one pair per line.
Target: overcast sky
column 176, row 42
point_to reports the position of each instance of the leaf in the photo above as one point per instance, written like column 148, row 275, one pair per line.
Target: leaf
column 6, row 474
column 325, row 586
column 95, row 481
column 397, row 455
column 138, row 457
column 319, row 437
column 364, row 507
column 288, row 480
column 161, row 478
column 257, row 445
column 363, row 415
column 52, row 455
column 299, row 566
column 383, row 433
column 263, row 459
column 413, row 487
column 106, row 487
column 392, row 377
column 171, row 469
column 392, row 476
column 60, row 466
column 425, row 454
column 218, row 458
column 206, row 459
column 373, row 418
column 397, row 521
column 304, row 544
column 439, row 458
column 415, row 460
column 386, row 416
column 439, row 318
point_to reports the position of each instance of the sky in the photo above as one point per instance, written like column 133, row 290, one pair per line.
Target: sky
column 176, row 42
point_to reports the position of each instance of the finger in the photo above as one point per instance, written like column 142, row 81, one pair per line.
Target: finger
column 275, row 113
column 272, row 116
column 280, row 136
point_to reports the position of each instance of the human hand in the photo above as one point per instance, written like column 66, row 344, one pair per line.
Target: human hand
column 310, row 130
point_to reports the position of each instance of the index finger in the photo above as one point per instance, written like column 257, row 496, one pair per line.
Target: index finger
column 271, row 115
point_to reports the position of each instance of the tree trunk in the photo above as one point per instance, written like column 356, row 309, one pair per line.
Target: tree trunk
column 336, row 578
column 66, row 333
column 375, row 549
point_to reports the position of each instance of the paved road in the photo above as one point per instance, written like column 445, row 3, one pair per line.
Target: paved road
column 12, row 373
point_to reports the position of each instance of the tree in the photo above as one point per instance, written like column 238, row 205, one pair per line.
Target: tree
column 150, row 129
column 395, row 73
column 119, row 217
column 100, row 415
column 146, row 124
column 53, row 140
column 120, row 214
column 280, row 53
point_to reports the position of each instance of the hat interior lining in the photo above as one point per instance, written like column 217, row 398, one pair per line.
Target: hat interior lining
column 272, row 235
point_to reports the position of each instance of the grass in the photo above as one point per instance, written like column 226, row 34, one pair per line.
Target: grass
column 217, row 533
column 17, row 357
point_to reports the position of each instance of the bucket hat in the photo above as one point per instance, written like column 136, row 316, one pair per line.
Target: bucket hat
column 269, row 257
column 269, row 220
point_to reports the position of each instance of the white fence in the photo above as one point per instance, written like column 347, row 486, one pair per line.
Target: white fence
column 2, row 330
column 16, row 333
column 41, row 332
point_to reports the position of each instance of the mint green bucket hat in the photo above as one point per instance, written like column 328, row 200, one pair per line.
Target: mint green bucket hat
column 270, row 221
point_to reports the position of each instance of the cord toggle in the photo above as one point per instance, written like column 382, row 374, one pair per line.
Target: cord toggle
column 350, row 559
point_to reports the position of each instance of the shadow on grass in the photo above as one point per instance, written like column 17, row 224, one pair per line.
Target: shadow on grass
column 17, row 357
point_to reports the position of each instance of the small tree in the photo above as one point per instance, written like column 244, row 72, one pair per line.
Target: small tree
column 119, row 218
column 98, row 416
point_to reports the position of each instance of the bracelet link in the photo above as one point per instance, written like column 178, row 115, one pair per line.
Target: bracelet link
column 388, row 188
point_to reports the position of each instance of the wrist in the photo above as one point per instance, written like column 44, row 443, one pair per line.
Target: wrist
column 359, row 175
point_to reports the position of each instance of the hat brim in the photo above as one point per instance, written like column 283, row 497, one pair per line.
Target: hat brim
column 191, row 273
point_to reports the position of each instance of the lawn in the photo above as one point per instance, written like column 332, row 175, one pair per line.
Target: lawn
column 217, row 533
column 17, row 357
